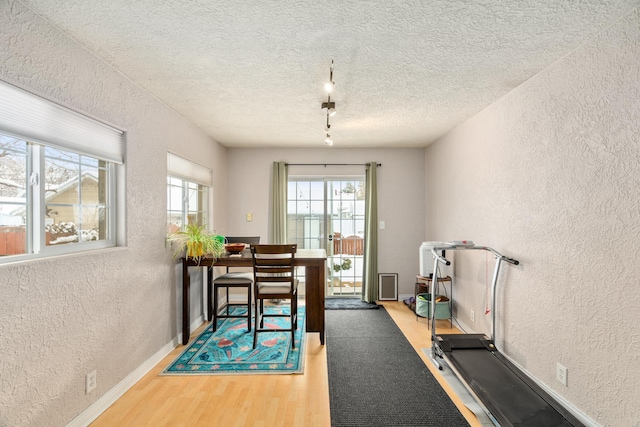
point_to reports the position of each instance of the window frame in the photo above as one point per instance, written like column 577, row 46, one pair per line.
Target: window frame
column 36, row 207
column 203, row 211
column 43, row 124
column 190, row 172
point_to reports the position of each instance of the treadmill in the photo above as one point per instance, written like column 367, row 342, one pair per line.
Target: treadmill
column 506, row 394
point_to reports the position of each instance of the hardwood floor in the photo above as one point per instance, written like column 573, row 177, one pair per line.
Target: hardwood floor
column 252, row 400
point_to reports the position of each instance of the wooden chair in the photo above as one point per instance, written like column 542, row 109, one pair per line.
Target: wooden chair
column 233, row 280
column 274, row 278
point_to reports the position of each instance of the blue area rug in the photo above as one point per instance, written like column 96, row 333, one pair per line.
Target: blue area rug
column 230, row 351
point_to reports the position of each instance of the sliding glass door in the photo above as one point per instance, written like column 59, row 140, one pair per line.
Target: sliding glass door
column 329, row 213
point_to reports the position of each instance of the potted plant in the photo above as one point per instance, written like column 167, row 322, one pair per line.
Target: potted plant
column 196, row 242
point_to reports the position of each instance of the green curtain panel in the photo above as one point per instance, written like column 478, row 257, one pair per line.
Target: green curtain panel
column 278, row 225
column 370, row 273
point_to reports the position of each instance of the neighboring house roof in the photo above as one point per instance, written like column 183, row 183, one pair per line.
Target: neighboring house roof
column 51, row 192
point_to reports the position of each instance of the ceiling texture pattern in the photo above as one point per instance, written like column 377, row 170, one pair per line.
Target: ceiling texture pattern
column 251, row 73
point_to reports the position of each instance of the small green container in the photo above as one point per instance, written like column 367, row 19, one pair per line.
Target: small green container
column 423, row 307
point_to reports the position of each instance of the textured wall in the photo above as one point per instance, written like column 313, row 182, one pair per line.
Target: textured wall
column 400, row 196
column 550, row 175
column 109, row 310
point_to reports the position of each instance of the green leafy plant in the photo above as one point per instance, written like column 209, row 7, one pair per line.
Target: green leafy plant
column 345, row 265
column 195, row 242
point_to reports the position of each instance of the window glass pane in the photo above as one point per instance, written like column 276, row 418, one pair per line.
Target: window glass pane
column 13, row 196
column 90, row 161
column 197, row 204
column 194, row 199
column 174, row 195
column 303, row 207
column 317, row 207
column 62, row 179
column 92, row 218
column 349, row 188
column 60, row 233
column 292, row 190
column 186, row 203
column 316, row 190
column 13, row 237
column 76, row 196
column 13, row 163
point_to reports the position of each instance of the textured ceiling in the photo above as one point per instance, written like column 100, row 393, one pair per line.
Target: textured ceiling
column 250, row 73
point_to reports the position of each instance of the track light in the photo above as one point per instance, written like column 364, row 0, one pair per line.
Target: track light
column 329, row 108
column 328, row 86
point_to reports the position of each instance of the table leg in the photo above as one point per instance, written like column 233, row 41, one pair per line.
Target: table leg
column 209, row 290
column 186, row 321
column 314, row 293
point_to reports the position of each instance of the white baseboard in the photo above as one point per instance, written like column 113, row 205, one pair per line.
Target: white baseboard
column 403, row 297
column 90, row 414
column 584, row 418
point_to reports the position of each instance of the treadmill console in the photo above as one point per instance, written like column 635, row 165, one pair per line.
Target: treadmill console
column 461, row 243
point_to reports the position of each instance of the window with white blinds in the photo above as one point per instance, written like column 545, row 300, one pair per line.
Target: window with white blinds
column 57, row 180
column 188, row 189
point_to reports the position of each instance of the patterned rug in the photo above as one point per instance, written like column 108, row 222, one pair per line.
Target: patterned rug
column 229, row 350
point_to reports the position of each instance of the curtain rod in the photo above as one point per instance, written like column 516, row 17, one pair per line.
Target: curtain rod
column 331, row 164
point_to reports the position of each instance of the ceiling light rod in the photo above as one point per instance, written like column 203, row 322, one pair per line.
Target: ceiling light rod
column 330, row 84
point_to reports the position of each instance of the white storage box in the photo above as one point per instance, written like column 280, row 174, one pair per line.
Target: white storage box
column 426, row 260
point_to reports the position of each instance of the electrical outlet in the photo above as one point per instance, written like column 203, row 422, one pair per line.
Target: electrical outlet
column 561, row 374
column 473, row 316
column 91, row 381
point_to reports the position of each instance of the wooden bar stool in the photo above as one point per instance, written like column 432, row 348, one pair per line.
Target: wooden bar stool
column 231, row 280
column 228, row 281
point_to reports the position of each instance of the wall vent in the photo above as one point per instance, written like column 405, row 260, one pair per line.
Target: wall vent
column 388, row 286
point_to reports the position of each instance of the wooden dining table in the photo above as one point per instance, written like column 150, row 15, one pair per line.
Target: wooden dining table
column 313, row 260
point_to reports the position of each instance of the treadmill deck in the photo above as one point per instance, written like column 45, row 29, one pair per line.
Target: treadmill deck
column 510, row 396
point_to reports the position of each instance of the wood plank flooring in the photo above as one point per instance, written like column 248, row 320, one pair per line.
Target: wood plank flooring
column 253, row 400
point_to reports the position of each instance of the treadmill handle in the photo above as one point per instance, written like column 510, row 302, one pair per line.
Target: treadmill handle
column 440, row 257
column 511, row 260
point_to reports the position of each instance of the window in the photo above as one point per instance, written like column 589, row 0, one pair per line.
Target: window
column 329, row 213
column 52, row 200
column 186, row 204
column 57, row 178
column 188, row 189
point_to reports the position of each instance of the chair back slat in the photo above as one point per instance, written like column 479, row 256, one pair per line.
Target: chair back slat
column 274, row 279
column 253, row 240
column 274, row 264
